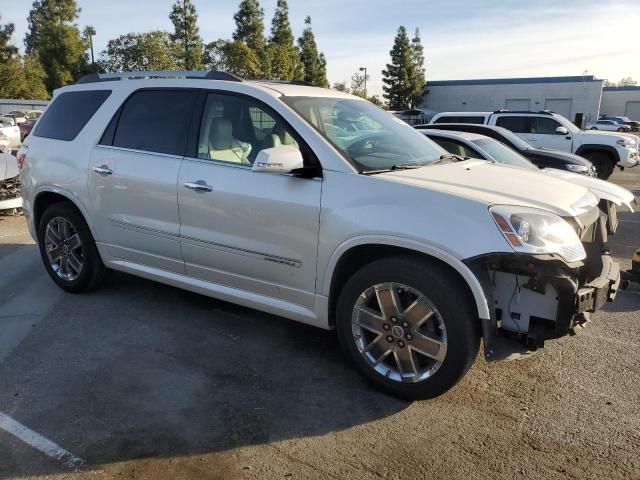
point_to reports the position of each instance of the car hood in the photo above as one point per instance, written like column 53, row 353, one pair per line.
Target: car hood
column 8, row 166
column 600, row 188
column 498, row 184
column 611, row 137
column 564, row 157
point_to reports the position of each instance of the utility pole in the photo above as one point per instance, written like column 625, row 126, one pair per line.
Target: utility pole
column 365, row 81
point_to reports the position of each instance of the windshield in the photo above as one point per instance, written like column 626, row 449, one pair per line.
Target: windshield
column 370, row 138
column 566, row 123
column 503, row 154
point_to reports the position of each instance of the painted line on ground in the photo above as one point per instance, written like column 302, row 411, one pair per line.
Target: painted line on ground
column 40, row 443
column 630, row 221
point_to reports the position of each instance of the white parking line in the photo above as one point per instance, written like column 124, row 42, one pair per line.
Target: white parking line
column 631, row 221
column 39, row 442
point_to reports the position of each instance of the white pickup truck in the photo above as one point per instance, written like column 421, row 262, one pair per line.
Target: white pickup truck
column 546, row 129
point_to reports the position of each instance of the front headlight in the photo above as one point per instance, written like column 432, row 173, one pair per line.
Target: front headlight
column 530, row 230
column 577, row 168
column 628, row 143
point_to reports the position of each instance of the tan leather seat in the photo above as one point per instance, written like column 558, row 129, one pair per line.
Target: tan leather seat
column 223, row 146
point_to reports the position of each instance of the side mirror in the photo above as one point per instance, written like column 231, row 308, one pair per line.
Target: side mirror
column 282, row 159
column 562, row 130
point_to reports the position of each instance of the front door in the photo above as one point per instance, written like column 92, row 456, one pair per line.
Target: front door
column 133, row 176
column 256, row 232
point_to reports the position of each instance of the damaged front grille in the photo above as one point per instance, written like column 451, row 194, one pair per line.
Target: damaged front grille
column 10, row 189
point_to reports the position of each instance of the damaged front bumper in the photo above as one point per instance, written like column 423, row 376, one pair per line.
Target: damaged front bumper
column 534, row 298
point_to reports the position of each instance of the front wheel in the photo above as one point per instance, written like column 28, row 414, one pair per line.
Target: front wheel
column 622, row 129
column 409, row 326
column 603, row 163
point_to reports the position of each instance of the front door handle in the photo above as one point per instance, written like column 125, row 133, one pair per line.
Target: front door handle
column 103, row 170
column 198, row 186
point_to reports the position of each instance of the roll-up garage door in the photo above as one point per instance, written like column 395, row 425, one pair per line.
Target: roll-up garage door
column 559, row 105
column 632, row 110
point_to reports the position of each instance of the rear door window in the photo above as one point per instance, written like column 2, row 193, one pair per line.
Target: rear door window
column 461, row 119
column 517, row 124
column 155, row 121
column 69, row 113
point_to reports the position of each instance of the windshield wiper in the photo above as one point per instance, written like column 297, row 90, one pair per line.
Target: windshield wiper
column 392, row 168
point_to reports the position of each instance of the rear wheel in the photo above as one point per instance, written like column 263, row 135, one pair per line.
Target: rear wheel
column 68, row 250
column 621, row 129
column 408, row 326
column 603, row 163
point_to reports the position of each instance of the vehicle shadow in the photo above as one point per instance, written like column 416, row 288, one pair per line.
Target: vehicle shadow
column 138, row 369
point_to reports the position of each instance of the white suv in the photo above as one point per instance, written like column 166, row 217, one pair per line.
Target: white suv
column 259, row 193
column 550, row 130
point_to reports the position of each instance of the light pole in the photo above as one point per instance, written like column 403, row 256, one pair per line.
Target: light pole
column 365, row 81
column 89, row 32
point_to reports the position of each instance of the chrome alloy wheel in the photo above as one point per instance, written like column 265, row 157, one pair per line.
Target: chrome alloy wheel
column 64, row 248
column 399, row 332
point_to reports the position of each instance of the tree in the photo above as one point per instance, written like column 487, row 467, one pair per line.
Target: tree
column 418, row 80
column 399, row 76
column 7, row 49
column 214, row 56
column 314, row 65
column 55, row 40
column 139, row 51
column 283, row 54
column 186, row 37
column 627, row 82
column 341, row 87
column 22, row 78
column 357, row 84
column 250, row 31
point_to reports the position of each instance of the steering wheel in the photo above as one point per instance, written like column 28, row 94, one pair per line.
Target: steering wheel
column 367, row 145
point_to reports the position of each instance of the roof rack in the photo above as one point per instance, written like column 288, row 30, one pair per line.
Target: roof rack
column 286, row 82
column 190, row 74
column 541, row 112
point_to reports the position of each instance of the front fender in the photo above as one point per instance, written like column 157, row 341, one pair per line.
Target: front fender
column 433, row 251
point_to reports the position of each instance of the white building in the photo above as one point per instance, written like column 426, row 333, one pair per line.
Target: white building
column 7, row 105
column 622, row 101
column 577, row 98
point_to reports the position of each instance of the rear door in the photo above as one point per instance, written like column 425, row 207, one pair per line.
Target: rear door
column 251, row 231
column 133, row 175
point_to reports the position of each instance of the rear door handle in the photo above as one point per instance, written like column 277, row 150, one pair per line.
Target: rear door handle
column 198, row 186
column 103, row 170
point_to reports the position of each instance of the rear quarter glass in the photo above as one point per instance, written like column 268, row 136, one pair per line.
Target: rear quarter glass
column 69, row 113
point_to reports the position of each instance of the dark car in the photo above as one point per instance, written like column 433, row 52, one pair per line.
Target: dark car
column 25, row 128
column 543, row 158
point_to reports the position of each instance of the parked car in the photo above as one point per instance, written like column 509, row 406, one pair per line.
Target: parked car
column 9, row 139
column 10, row 197
column 367, row 232
column 18, row 116
column 474, row 145
column 633, row 124
column 542, row 157
column 608, row 125
column 32, row 114
column 546, row 129
column 25, row 128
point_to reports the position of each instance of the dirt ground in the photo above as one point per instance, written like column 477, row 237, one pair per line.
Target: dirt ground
column 144, row 381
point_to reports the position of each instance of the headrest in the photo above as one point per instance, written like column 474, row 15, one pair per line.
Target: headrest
column 221, row 136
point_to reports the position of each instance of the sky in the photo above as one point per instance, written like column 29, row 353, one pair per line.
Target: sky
column 462, row 38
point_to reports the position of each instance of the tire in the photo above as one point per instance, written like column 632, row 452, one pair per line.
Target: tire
column 593, row 128
column 65, row 271
column 622, row 129
column 603, row 163
column 451, row 317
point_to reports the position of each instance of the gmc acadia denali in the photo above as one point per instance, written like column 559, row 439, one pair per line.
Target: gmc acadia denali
column 317, row 206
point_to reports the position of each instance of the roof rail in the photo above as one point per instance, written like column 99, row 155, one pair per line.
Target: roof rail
column 541, row 112
column 190, row 74
column 286, row 82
